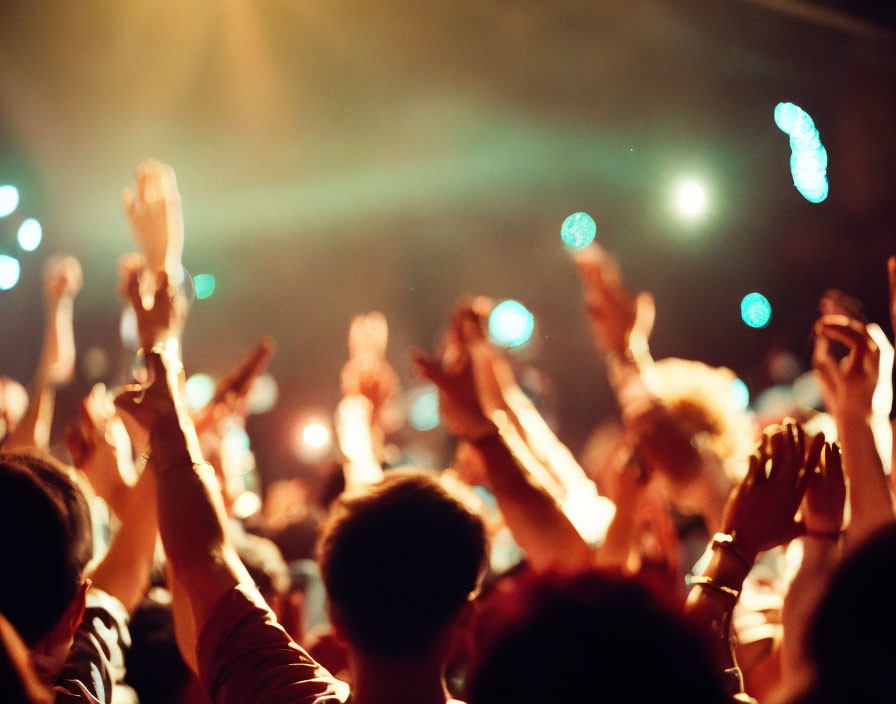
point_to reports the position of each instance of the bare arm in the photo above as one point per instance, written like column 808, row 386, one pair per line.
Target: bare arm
column 528, row 496
column 848, row 386
column 62, row 281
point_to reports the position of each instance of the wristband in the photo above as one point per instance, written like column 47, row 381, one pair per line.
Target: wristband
column 727, row 542
column 709, row 583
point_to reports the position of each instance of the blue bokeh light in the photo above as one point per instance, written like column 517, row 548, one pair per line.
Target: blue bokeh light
column 510, row 324
column 30, row 234
column 9, row 272
column 9, row 200
column 808, row 159
column 755, row 310
column 203, row 285
column 578, row 230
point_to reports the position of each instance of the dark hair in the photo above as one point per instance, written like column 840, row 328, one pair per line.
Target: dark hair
column 593, row 638
column 399, row 559
column 153, row 664
column 45, row 524
column 851, row 640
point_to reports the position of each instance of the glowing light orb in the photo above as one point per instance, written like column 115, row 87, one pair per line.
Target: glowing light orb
column 740, row 395
column 9, row 272
column 316, row 435
column 510, row 324
column 690, row 199
column 204, row 285
column 263, row 394
column 30, row 235
column 199, row 390
column 755, row 310
column 9, row 200
column 423, row 408
column 578, row 230
column 808, row 158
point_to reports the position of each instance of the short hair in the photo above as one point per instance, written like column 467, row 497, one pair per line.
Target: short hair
column 48, row 541
column 399, row 559
column 592, row 638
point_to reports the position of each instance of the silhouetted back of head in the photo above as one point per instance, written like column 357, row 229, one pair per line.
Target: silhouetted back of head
column 853, row 636
column 593, row 638
column 45, row 528
column 399, row 560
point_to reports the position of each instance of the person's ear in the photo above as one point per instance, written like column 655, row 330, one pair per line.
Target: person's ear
column 74, row 614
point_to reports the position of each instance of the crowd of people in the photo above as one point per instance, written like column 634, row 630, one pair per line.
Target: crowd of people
column 691, row 556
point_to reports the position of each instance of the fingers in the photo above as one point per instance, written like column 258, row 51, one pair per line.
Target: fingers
column 813, row 454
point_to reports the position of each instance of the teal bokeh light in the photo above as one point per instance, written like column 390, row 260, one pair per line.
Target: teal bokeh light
column 578, row 230
column 204, row 285
column 755, row 310
column 9, row 272
column 510, row 324
column 808, row 158
column 30, row 234
column 9, row 200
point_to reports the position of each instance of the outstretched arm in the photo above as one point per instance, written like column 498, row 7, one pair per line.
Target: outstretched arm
column 62, row 281
column 848, row 386
column 528, row 496
column 368, row 386
column 760, row 515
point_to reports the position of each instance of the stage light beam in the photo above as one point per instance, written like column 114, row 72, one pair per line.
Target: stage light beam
column 316, row 435
column 690, row 198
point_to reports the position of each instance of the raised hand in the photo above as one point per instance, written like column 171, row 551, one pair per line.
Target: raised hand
column 367, row 373
column 847, row 384
column 619, row 320
column 822, row 509
column 100, row 447
column 62, row 281
column 460, row 404
column 761, row 511
column 164, row 318
column 154, row 211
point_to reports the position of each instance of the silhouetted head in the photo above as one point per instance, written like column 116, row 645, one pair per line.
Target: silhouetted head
column 399, row 560
column 852, row 642
column 46, row 532
column 593, row 638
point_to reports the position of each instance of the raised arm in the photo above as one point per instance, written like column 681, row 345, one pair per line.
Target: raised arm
column 526, row 493
column 822, row 514
column 243, row 655
column 62, row 281
column 368, row 385
column 760, row 515
column 190, row 508
column 848, row 386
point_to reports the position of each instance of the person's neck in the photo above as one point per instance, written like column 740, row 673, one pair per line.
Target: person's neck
column 397, row 681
